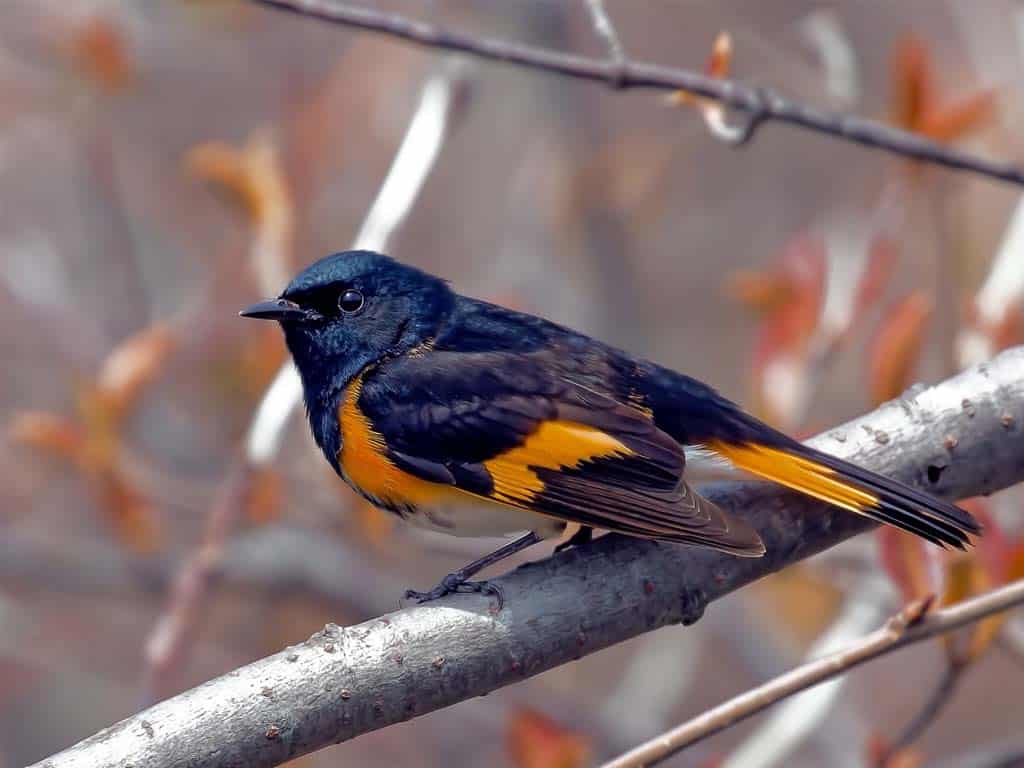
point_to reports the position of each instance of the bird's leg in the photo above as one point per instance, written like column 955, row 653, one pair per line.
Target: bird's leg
column 583, row 535
column 459, row 581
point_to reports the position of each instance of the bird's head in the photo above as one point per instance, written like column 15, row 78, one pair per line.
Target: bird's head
column 352, row 309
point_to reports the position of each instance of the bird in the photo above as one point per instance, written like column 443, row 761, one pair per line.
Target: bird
column 465, row 417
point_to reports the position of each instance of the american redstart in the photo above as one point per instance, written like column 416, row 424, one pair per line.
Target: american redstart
column 475, row 420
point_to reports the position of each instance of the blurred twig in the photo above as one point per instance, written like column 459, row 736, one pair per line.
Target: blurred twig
column 760, row 104
column 345, row 682
column 936, row 702
column 911, row 625
column 606, row 30
column 792, row 722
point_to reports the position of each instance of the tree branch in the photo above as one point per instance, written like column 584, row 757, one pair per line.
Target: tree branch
column 967, row 433
column 761, row 104
column 911, row 625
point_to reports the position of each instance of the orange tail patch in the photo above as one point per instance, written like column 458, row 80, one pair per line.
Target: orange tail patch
column 798, row 473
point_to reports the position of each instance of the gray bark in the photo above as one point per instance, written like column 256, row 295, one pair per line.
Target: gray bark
column 961, row 438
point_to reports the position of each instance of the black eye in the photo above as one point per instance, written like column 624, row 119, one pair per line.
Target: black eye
column 350, row 301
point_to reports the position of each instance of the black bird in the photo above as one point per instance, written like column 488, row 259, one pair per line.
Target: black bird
column 472, row 419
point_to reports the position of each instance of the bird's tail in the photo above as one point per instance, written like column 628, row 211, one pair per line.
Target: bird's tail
column 853, row 488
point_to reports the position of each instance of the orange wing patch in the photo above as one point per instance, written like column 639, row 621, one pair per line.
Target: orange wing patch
column 366, row 466
column 555, row 445
column 797, row 473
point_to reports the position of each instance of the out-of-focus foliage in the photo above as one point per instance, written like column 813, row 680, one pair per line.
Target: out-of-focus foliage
column 806, row 278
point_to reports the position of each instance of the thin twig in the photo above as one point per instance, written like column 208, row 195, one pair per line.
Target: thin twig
column 168, row 643
column 912, row 625
column 793, row 721
column 342, row 683
column 760, row 104
column 606, row 31
column 951, row 677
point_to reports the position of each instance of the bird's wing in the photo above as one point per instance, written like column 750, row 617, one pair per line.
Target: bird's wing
column 519, row 430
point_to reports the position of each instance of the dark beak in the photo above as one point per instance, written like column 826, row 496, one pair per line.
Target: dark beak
column 274, row 309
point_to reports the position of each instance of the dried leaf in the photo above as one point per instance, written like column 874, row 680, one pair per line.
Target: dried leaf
column 883, row 254
column 914, row 566
column 959, row 119
column 536, row 741
column 254, row 177
column 263, row 495
column 780, row 353
column 966, row 577
column 99, row 49
column 894, row 351
column 47, row 432
column 915, row 105
column 719, row 64
column 761, row 292
column 879, row 755
column 912, row 90
column 134, row 520
column 133, row 365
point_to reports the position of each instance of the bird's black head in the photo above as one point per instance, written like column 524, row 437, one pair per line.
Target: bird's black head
column 350, row 310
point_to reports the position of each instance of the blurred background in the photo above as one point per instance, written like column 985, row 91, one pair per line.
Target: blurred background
column 164, row 164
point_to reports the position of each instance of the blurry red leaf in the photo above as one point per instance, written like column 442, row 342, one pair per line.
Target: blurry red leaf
column 49, row 433
column 959, row 119
column 263, row 495
column 994, row 548
column 915, row 105
column 966, row 577
column 879, row 754
column 536, row 741
column 779, row 376
column 761, row 292
column 131, row 515
column 881, row 259
column 133, row 364
column 894, row 351
column 912, row 89
column 99, row 49
column 254, row 178
column 914, row 566
column 719, row 64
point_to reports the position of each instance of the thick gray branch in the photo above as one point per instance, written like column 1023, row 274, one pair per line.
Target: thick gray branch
column 961, row 438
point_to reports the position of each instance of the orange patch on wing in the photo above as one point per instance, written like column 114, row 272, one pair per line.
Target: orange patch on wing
column 363, row 459
column 555, row 445
column 797, row 473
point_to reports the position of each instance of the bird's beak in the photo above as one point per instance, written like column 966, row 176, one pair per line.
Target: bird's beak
column 274, row 309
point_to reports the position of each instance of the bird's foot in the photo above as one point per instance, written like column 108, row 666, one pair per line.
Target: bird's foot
column 455, row 583
column 583, row 535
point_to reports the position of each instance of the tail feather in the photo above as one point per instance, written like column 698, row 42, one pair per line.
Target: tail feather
column 853, row 488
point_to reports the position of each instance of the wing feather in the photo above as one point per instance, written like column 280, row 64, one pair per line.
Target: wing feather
column 538, row 440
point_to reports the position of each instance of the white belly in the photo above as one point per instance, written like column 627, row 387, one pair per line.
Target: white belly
column 482, row 519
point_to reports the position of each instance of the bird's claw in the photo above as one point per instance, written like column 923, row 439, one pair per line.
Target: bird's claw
column 455, row 583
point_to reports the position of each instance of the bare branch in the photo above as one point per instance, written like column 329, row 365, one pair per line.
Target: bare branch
column 345, row 682
column 760, row 104
column 911, row 625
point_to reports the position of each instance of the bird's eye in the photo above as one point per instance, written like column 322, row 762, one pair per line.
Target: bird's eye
column 350, row 301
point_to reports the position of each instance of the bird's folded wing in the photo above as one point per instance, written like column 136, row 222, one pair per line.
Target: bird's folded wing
column 538, row 441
